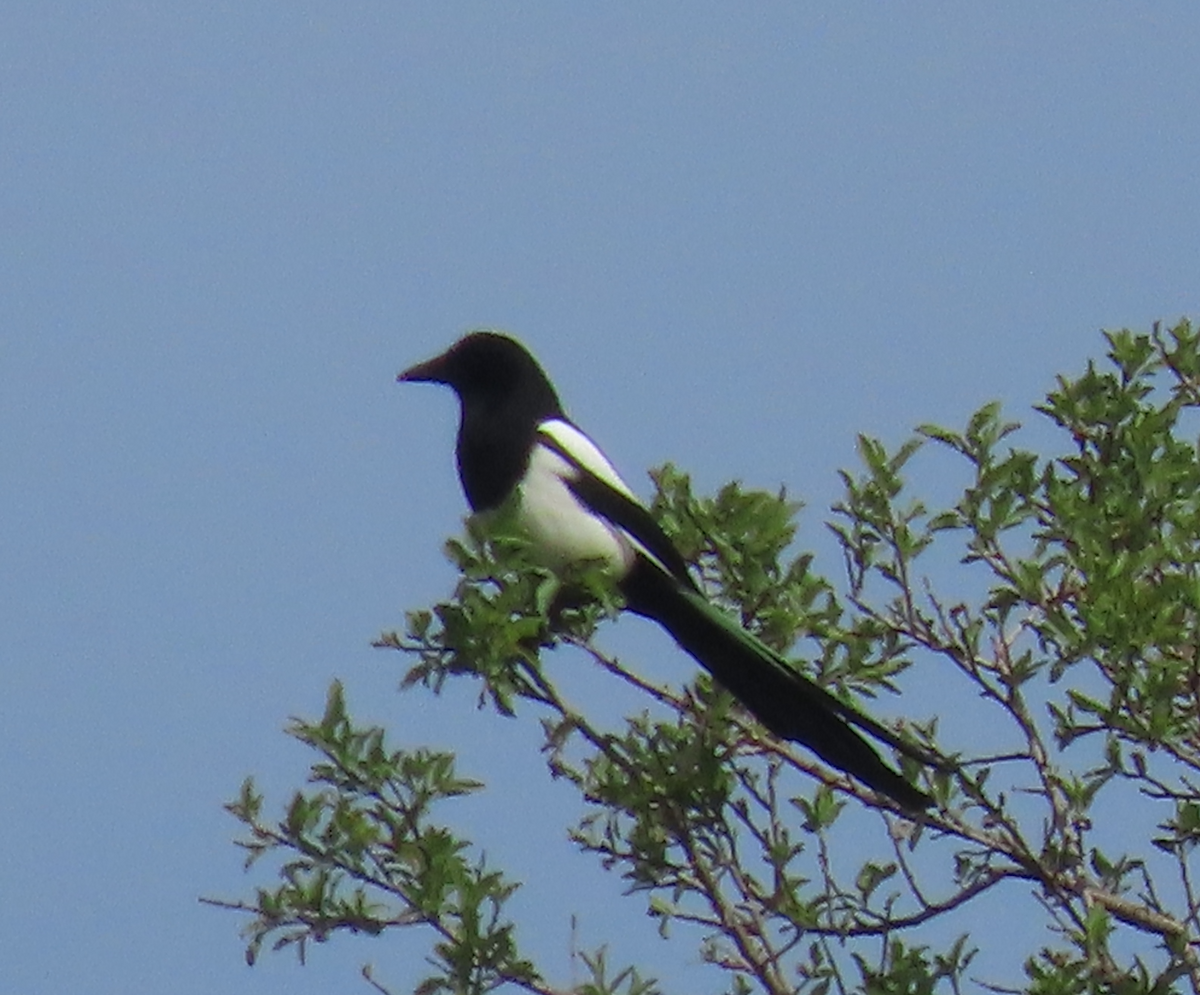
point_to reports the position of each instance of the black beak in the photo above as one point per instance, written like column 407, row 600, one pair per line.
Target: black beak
column 431, row 371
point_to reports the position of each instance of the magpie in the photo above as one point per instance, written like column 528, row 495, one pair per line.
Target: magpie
column 517, row 448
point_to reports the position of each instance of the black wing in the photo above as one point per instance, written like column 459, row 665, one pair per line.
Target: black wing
column 621, row 510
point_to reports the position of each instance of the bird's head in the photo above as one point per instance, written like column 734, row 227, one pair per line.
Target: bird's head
column 489, row 368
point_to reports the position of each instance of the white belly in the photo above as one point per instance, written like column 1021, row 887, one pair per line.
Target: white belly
column 563, row 530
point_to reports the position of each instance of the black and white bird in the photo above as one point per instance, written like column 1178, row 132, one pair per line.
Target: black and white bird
column 516, row 444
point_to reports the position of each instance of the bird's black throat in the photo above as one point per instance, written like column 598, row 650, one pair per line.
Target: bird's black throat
column 493, row 450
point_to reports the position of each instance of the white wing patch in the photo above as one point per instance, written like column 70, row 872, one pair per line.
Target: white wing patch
column 585, row 452
column 562, row 528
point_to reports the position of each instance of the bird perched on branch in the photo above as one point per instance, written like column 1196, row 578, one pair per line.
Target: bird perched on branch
column 516, row 444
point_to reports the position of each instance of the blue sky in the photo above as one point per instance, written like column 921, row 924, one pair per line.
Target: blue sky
column 736, row 237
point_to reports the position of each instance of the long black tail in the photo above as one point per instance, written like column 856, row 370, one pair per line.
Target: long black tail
column 787, row 703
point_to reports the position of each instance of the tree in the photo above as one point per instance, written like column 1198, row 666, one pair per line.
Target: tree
column 1077, row 658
